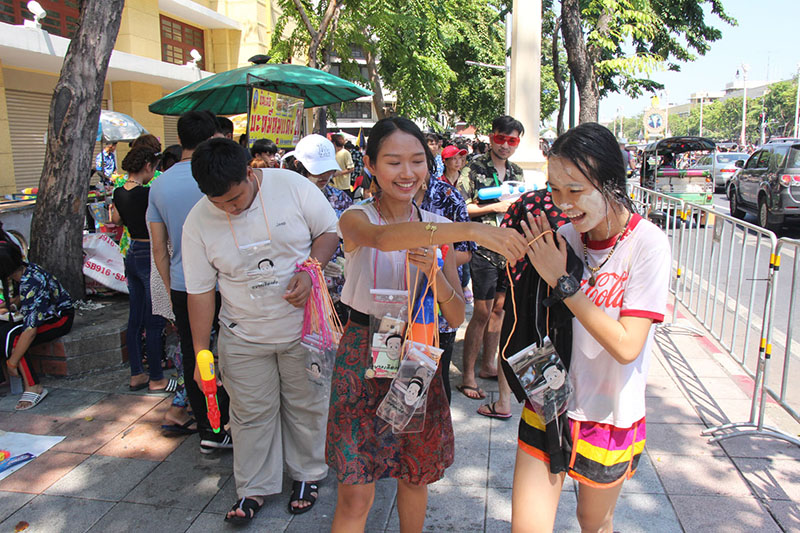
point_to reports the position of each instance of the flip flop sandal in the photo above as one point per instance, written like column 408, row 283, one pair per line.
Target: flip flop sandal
column 491, row 407
column 182, row 429
column 171, row 386
column 481, row 394
column 301, row 491
column 250, row 508
column 140, row 386
column 32, row 397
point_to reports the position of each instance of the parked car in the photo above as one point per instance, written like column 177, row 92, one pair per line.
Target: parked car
column 721, row 165
column 768, row 184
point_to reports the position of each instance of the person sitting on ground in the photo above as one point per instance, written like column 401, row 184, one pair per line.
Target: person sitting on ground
column 47, row 313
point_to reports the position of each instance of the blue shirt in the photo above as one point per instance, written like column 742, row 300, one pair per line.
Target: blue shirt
column 41, row 297
column 105, row 163
column 443, row 199
column 172, row 196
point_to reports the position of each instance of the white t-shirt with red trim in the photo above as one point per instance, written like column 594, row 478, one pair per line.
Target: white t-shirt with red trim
column 634, row 282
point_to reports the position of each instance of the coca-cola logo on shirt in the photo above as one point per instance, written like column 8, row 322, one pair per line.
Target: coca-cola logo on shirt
column 608, row 289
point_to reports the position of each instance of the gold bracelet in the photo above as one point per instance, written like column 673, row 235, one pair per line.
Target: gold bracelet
column 451, row 297
column 432, row 228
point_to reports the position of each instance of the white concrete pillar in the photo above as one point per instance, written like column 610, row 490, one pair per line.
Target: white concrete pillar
column 525, row 87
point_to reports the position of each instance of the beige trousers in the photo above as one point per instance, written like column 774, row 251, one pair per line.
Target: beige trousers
column 277, row 415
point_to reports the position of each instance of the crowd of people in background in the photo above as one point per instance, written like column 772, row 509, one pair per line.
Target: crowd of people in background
column 215, row 233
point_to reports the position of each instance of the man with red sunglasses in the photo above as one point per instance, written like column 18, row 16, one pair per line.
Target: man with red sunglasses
column 488, row 268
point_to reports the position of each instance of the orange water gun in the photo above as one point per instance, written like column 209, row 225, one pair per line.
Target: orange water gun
column 205, row 363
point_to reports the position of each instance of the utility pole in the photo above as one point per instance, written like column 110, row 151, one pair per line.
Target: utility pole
column 702, row 99
column 797, row 105
column 743, row 136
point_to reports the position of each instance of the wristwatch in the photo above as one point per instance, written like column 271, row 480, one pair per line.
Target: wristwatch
column 565, row 287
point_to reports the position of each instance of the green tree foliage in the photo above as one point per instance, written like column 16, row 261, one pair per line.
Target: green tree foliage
column 722, row 120
column 616, row 43
column 421, row 48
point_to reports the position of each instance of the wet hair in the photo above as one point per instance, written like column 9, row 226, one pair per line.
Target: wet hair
column 507, row 124
column 10, row 261
column 148, row 140
column 224, row 126
column 170, row 156
column 385, row 127
column 195, row 127
column 263, row 145
column 595, row 151
column 138, row 157
column 218, row 164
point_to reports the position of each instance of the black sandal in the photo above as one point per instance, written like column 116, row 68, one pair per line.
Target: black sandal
column 301, row 491
column 250, row 508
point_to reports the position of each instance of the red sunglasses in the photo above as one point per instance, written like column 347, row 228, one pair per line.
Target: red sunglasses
column 499, row 138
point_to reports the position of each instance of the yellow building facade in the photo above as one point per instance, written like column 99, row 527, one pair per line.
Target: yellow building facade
column 151, row 58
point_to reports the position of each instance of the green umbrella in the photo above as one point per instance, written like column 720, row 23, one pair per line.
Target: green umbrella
column 226, row 93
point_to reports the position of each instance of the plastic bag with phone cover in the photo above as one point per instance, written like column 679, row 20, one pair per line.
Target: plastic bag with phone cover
column 387, row 331
column 544, row 377
column 408, row 389
column 320, row 359
column 417, row 422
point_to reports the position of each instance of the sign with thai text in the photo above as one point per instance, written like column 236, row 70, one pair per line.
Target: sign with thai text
column 276, row 117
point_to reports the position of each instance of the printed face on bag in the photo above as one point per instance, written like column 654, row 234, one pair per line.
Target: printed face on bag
column 393, row 345
column 414, row 391
column 554, row 377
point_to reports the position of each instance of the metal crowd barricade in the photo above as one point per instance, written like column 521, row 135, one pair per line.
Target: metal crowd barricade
column 665, row 211
column 781, row 336
column 728, row 277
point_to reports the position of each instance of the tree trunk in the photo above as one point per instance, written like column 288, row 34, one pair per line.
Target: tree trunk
column 580, row 62
column 559, row 79
column 57, row 226
column 377, row 89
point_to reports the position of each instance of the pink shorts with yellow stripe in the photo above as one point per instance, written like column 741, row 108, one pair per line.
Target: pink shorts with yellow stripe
column 602, row 455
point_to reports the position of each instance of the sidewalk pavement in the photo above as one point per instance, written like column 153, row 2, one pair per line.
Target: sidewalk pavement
column 115, row 471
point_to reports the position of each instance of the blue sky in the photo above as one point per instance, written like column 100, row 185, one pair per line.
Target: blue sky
column 765, row 39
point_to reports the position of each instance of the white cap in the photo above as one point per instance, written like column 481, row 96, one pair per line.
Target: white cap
column 316, row 153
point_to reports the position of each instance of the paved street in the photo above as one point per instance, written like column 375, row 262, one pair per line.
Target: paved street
column 115, row 471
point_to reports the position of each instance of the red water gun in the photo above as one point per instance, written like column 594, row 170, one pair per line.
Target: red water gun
column 205, row 362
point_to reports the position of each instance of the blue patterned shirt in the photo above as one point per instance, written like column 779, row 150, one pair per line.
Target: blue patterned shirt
column 439, row 166
column 340, row 201
column 41, row 296
column 443, row 199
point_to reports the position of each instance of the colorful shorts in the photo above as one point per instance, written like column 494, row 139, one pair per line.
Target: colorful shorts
column 602, row 455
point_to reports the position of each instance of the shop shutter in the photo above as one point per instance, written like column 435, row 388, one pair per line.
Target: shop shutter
column 27, row 117
column 27, row 120
column 170, row 131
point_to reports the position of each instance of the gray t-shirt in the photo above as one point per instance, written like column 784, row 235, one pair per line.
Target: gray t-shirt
column 172, row 196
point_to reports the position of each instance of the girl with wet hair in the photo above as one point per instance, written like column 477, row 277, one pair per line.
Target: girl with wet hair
column 620, row 296
column 46, row 313
column 379, row 236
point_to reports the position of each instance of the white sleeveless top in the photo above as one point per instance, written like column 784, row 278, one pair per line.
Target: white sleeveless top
column 368, row 268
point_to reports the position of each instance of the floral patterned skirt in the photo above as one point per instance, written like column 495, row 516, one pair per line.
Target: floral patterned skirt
column 360, row 447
